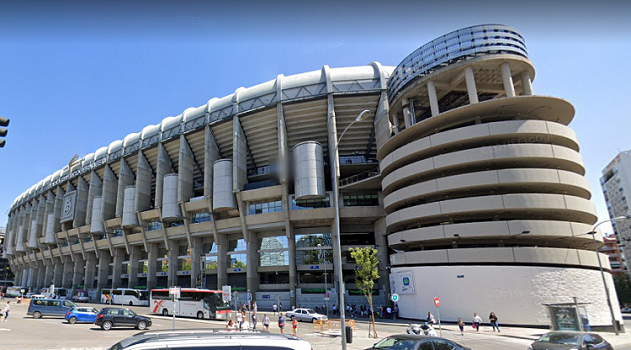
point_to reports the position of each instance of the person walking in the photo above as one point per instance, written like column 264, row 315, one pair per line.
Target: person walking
column 6, row 311
column 280, row 307
column 461, row 326
column 239, row 319
column 493, row 320
column 265, row 322
column 430, row 318
column 255, row 320
column 281, row 323
column 274, row 308
column 255, row 307
column 477, row 320
column 294, row 325
column 230, row 326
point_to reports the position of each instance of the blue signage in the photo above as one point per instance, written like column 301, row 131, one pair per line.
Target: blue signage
column 406, row 281
column 125, row 276
column 265, row 296
column 237, row 269
column 460, row 276
column 186, row 272
column 143, row 275
column 314, row 267
column 162, row 273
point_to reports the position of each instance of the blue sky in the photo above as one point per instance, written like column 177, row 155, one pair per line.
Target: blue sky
column 75, row 77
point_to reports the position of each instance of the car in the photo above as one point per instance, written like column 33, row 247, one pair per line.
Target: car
column 307, row 315
column 110, row 317
column 418, row 342
column 210, row 339
column 567, row 340
column 49, row 307
column 81, row 314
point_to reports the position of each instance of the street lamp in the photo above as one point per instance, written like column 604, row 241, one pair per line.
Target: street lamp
column 600, row 266
column 338, row 257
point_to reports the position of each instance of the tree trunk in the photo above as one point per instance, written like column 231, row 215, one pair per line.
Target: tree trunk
column 372, row 317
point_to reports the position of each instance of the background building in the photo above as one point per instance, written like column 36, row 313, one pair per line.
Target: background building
column 6, row 275
column 616, row 260
column 616, row 184
column 468, row 184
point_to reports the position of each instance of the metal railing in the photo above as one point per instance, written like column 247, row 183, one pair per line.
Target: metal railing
column 361, row 176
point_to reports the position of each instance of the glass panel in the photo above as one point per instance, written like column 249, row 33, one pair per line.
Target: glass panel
column 313, row 239
column 274, row 258
column 154, row 225
column 238, row 260
column 236, row 246
column 184, row 264
column 273, row 242
column 211, row 263
column 314, row 256
column 200, row 217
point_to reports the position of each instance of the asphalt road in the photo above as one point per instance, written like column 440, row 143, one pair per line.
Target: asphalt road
column 25, row 332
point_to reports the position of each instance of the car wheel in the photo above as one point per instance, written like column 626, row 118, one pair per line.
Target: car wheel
column 107, row 325
column 200, row 315
column 131, row 303
column 142, row 325
column 37, row 314
column 72, row 320
column 165, row 312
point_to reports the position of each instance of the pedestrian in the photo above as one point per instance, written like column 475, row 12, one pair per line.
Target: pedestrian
column 334, row 310
column 245, row 325
column 230, row 325
column 430, row 318
column 396, row 311
column 431, row 331
column 255, row 307
column 274, row 308
column 461, row 326
column 294, row 325
column 493, row 320
column 280, row 307
column 1, row 296
column 281, row 323
column 265, row 322
column 239, row 319
column 6, row 311
column 477, row 320
column 254, row 321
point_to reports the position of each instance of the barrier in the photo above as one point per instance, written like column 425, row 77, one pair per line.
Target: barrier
column 331, row 325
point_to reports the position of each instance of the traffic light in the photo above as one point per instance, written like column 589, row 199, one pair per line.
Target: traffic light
column 3, row 131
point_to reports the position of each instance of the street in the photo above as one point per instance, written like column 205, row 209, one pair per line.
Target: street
column 25, row 332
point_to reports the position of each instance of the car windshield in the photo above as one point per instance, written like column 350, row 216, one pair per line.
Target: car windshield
column 310, row 311
column 394, row 343
column 560, row 338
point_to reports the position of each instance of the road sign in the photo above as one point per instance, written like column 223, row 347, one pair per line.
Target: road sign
column 175, row 291
column 437, row 302
column 249, row 297
column 226, row 293
column 394, row 297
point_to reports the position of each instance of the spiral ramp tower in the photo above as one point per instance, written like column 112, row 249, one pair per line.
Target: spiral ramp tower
column 484, row 189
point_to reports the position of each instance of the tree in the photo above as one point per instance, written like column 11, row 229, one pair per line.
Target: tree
column 623, row 289
column 366, row 273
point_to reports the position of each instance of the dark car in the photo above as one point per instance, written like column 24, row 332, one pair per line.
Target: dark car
column 569, row 341
column 121, row 317
column 416, row 342
column 49, row 307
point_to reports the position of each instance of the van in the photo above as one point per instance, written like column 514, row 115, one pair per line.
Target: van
column 49, row 307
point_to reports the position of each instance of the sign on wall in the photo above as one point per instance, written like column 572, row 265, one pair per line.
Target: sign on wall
column 402, row 282
column 68, row 206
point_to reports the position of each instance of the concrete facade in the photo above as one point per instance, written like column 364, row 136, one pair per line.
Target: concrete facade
column 460, row 165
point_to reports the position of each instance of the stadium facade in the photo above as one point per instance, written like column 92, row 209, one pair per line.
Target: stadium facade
column 470, row 186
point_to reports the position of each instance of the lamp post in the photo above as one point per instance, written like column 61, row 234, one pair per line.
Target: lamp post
column 602, row 272
column 338, row 257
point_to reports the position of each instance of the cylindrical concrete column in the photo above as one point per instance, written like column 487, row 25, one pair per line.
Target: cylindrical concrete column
column 97, row 221
column 309, row 170
column 172, row 256
column 253, row 261
column 508, row 80
column 196, row 251
column 293, row 273
column 90, row 266
column 117, row 268
column 134, row 256
column 104, row 268
column 129, row 216
column 68, row 273
column 223, row 196
column 58, row 273
column 433, row 98
column 526, row 83
column 48, row 277
column 407, row 117
column 471, row 88
column 78, row 273
column 170, row 207
column 395, row 123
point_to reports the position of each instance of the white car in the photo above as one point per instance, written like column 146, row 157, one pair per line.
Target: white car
column 211, row 339
column 307, row 315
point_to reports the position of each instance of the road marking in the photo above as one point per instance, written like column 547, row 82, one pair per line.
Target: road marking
column 4, row 329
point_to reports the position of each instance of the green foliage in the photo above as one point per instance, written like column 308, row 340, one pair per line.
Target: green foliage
column 368, row 268
column 237, row 263
column 623, row 289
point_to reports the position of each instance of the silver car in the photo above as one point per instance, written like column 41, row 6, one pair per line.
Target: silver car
column 305, row 315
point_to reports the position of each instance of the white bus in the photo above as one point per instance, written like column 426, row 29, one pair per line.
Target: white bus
column 124, row 296
column 200, row 303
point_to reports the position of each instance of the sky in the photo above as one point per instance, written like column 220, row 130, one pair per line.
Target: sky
column 74, row 76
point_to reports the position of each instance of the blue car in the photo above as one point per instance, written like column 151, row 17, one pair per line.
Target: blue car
column 82, row 314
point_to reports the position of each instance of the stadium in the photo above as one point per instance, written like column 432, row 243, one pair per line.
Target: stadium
column 469, row 185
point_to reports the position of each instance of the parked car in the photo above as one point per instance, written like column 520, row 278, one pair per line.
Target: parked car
column 418, row 342
column 49, row 307
column 210, row 339
column 570, row 340
column 81, row 314
column 80, row 296
column 307, row 315
column 110, row 317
